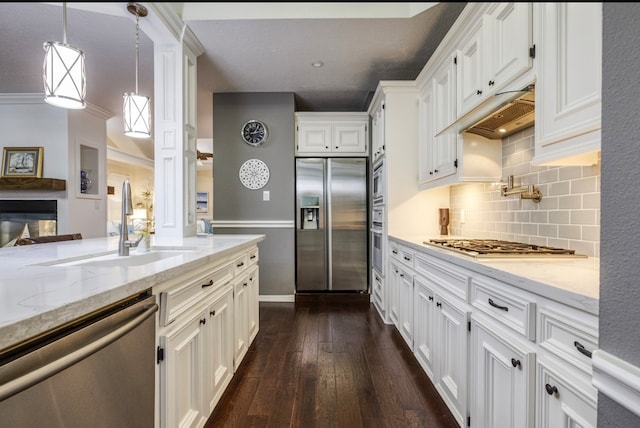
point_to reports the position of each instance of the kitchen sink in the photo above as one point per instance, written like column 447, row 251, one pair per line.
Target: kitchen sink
column 114, row 260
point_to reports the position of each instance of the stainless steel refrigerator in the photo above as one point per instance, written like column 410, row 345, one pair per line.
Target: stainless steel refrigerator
column 331, row 224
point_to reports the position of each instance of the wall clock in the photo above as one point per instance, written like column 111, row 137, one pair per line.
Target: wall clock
column 254, row 174
column 254, row 133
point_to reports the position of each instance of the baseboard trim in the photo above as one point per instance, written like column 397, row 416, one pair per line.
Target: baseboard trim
column 617, row 379
column 277, row 298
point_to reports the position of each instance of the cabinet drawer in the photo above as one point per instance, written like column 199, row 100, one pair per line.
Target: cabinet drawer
column 240, row 264
column 252, row 256
column 451, row 278
column 394, row 250
column 570, row 335
column 406, row 256
column 505, row 304
column 181, row 298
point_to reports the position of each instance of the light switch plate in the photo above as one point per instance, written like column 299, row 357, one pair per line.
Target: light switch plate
column 266, row 195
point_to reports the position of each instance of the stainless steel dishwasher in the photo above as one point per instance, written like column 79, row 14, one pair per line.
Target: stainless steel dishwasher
column 97, row 371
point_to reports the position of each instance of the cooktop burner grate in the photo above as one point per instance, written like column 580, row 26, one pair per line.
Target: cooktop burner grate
column 498, row 248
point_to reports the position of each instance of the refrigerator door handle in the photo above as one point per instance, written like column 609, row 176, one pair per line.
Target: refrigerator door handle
column 329, row 225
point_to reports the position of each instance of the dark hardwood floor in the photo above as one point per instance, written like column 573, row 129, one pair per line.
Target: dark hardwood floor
column 324, row 364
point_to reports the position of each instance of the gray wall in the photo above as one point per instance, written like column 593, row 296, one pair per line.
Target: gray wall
column 620, row 252
column 232, row 201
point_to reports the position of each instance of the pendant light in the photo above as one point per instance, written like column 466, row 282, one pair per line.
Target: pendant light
column 136, row 111
column 63, row 72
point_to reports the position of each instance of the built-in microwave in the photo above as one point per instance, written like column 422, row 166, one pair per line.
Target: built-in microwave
column 378, row 184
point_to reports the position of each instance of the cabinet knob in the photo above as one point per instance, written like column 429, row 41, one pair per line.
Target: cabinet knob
column 401, row 275
column 208, row 284
column 551, row 389
column 336, row 147
column 244, row 285
column 479, row 92
column 203, row 321
column 491, row 83
column 326, row 147
column 435, row 171
column 430, row 172
column 515, row 363
column 212, row 313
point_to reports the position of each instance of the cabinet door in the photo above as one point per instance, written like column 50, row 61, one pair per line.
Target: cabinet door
column 563, row 403
column 240, row 316
column 379, row 295
column 393, row 279
column 469, row 74
column 377, row 132
column 452, row 347
column 350, row 137
column 502, row 372
column 423, row 328
column 444, row 146
column 508, row 34
column 426, row 134
column 253, row 319
column 405, row 312
column 569, row 82
column 314, row 137
column 181, row 400
column 218, row 348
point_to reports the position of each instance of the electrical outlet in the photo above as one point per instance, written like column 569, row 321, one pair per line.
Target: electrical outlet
column 266, row 195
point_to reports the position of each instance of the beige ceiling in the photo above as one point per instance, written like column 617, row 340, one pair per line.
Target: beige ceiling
column 249, row 47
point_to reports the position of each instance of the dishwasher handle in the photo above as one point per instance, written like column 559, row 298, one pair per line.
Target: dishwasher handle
column 21, row 383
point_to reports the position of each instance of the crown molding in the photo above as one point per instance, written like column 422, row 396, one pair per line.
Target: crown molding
column 38, row 98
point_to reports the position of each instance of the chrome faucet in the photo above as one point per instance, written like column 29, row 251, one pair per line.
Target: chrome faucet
column 127, row 209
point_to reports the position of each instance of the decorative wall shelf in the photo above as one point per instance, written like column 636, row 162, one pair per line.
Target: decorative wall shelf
column 23, row 183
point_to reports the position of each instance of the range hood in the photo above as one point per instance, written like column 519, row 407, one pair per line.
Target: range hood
column 499, row 116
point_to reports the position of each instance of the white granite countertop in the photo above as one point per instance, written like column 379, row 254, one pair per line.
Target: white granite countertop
column 35, row 298
column 571, row 281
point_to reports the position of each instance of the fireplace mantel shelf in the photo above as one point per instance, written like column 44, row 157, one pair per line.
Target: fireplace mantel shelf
column 32, row 183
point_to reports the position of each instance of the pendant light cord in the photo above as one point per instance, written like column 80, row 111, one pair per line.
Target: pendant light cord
column 137, row 48
column 64, row 22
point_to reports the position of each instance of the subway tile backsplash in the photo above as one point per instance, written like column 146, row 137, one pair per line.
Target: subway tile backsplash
column 568, row 215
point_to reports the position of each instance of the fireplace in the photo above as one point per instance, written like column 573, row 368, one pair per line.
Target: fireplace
column 27, row 218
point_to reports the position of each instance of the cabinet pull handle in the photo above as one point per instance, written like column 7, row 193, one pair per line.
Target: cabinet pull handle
column 438, row 304
column 504, row 308
column 212, row 313
column 203, row 321
column 479, row 92
column 240, row 264
column 401, row 275
column 208, row 284
column 551, row 389
column 407, row 258
column 582, row 349
column 244, row 285
column 377, row 279
column 491, row 83
column 515, row 363
column 431, row 298
column 394, row 252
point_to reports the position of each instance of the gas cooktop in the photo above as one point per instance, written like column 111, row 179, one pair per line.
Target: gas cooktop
column 481, row 248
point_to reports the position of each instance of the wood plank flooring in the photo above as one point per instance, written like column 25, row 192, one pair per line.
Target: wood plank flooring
column 327, row 364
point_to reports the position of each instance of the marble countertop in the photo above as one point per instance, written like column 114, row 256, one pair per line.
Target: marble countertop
column 35, row 297
column 571, row 281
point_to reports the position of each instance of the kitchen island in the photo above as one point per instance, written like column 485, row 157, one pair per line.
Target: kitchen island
column 44, row 286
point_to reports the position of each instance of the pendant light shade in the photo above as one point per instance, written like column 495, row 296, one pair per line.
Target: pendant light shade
column 64, row 73
column 136, row 108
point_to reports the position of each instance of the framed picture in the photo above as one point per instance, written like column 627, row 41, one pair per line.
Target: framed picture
column 22, row 162
column 202, row 202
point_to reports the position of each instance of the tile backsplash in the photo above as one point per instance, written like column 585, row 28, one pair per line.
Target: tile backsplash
column 568, row 216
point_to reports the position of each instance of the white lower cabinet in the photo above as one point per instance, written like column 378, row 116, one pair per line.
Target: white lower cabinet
column 498, row 355
column 564, row 401
column 441, row 342
column 502, row 378
column 207, row 321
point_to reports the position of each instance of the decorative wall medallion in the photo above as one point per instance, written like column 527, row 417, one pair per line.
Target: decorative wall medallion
column 254, row 174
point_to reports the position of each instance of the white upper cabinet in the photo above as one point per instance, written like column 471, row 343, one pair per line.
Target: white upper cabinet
column 569, row 83
column 334, row 134
column 493, row 53
column 377, row 132
column 437, row 154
